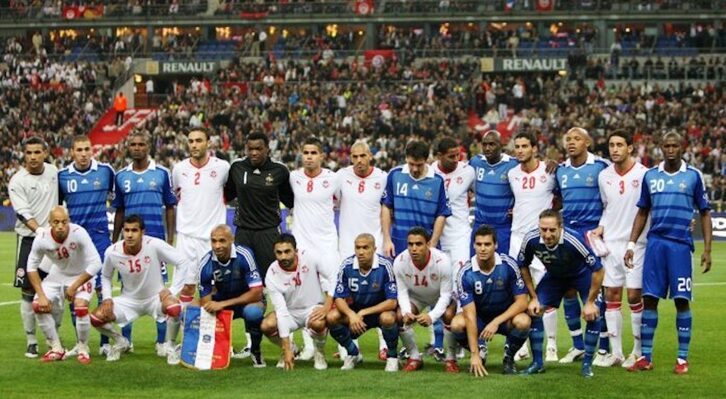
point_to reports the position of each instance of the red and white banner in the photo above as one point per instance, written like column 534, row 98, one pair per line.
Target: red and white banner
column 105, row 132
column 378, row 58
column 364, row 7
column 545, row 5
column 89, row 12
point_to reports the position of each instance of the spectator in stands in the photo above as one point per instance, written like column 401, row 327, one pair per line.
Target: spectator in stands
column 119, row 105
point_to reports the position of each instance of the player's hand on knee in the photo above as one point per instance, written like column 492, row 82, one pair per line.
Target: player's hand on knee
column 357, row 325
column 103, row 313
column 590, row 312
column 534, row 308
column 489, row 331
column 42, row 305
column 706, row 261
column 70, row 294
column 408, row 318
column 424, row 320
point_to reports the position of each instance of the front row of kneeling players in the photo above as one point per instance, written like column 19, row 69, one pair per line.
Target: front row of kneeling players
column 371, row 292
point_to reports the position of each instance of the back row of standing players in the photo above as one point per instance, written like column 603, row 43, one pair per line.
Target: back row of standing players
column 509, row 194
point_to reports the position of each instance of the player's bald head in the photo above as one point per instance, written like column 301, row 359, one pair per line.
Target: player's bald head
column 580, row 131
column 58, row 212
column 360, row 146
column 366, row 237
column 222, row 229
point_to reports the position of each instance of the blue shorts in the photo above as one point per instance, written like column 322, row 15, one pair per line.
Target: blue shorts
column 482, row 321
column 504, row 234
column 239, row 311
column 667, row 269
column 551, row 290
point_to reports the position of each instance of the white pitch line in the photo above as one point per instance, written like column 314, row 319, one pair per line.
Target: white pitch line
column 708, row 284
column 9, row 303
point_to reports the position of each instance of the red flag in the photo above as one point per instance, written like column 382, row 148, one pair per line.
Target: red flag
column 378, row 58
column 545, row 5
column 364, row 7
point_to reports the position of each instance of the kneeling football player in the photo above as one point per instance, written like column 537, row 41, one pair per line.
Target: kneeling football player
column 138, row 259
column 493, row 299
column 365, row 298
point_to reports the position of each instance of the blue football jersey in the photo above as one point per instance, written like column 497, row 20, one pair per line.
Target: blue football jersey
column 85, row 194
column 415, row 202
column 570, row 258
column 494, row 197
column 581, row 203
column 494, row 292
column 145, row 194
column 366, row 290
column 228, row 280
column 672, row 199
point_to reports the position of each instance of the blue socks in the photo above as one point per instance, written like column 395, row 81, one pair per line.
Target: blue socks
column 253, row 319
column 684, row 321
column 439, row 334
column 341, row 333
column 390, row 335
column 572, row 317
column 592, row 333
column 647, row 331
column 536, row 339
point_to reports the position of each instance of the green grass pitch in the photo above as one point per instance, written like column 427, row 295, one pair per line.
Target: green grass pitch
column 144, row 375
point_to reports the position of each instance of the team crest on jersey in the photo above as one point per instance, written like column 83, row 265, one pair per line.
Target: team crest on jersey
column 375, row 285
column 377, row 186
column 543, row 179
column 326, row 184
column 213, row 174
column 590, row 260
column 590, row 181
column 428, row 194
column 500, row 283
column 96, row 183
column 520, row 283
column 503, row 177
column 147, row 259
column 72, row 245
column 682, row 186
column 269, row 180
column 20, row 273
column 153, row 183
column 635, row 183
column 434, row 277
column 305, row 269
column 459, row 180
column 340, row 289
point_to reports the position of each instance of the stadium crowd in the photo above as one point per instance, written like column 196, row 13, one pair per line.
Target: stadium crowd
column 341, row 103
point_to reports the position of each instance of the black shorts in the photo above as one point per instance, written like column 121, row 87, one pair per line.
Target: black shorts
column 260, row 241
column 21, row 265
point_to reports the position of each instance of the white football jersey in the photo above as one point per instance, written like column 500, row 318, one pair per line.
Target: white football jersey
column 431, row 285
column 68, row 259
column 300, row 289
column 140, row 273
column 532, row 195
column 200, row 192
column 314, row 215
column 360, row 207
column 620, row 195
column 457, row 183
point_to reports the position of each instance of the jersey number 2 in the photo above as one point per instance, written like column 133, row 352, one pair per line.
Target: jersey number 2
column 197, row 176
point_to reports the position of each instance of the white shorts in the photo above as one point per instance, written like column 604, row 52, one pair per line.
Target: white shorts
column 128, row 309
column 326, row 250
column 420, row 305
column 56, row 291
column 616, row 274
column 298, row 318
column 458, row 249
column 193, row 248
